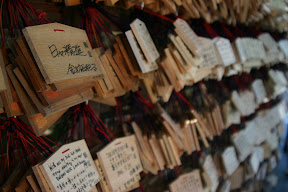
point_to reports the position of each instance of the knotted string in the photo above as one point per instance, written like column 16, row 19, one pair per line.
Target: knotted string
column 19, row 14
column 20, row 137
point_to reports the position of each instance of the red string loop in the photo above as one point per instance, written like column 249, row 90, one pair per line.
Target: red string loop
column 41, row 15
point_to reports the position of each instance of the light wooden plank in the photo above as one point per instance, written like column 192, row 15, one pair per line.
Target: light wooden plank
column 65, row 52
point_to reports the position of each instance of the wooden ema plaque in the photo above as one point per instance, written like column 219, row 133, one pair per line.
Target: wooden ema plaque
column 72, row 2
column 230, row 161
column 103, row 183
column 210, row 169
column 250, row 132
column 71, row 168
column 31, row 179
column 269, row 43
column 144, row 64
column 242, row 145
column 225, row 50
column 5, row 85
column 40, row 123
column 254, row 162
column 244, row 102
column 144, row 39
column 61, row 52
column 188, row 36
column 259, row 90
column 283, row 44
column 23, row 185
column 187, row 183
column 249, row 48
column 2, row 81
column 237, row 178
column 225, row 186
column 120, row 163
column 209, row 53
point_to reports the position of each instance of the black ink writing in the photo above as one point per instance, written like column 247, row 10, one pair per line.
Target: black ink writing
column 85, row 44
column 89, row 53
column 68, row 50
column 80, row 68
column 73, row 172
column 121, row 165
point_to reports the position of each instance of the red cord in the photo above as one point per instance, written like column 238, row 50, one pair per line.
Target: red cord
column 155, row 14
column 239, row 84
column 238, row 32
column 185, row 100
column 144, row 100
column 234, row 129
column 210, row 30
column 228, row 33
column 255, row 32
column 100, row 122
column 224, row 86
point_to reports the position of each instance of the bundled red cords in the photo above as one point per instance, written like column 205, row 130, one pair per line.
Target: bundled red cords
column 20, row 13
column 97, row 29
column 210, row 30
column 20, row 137
column 87, row 125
